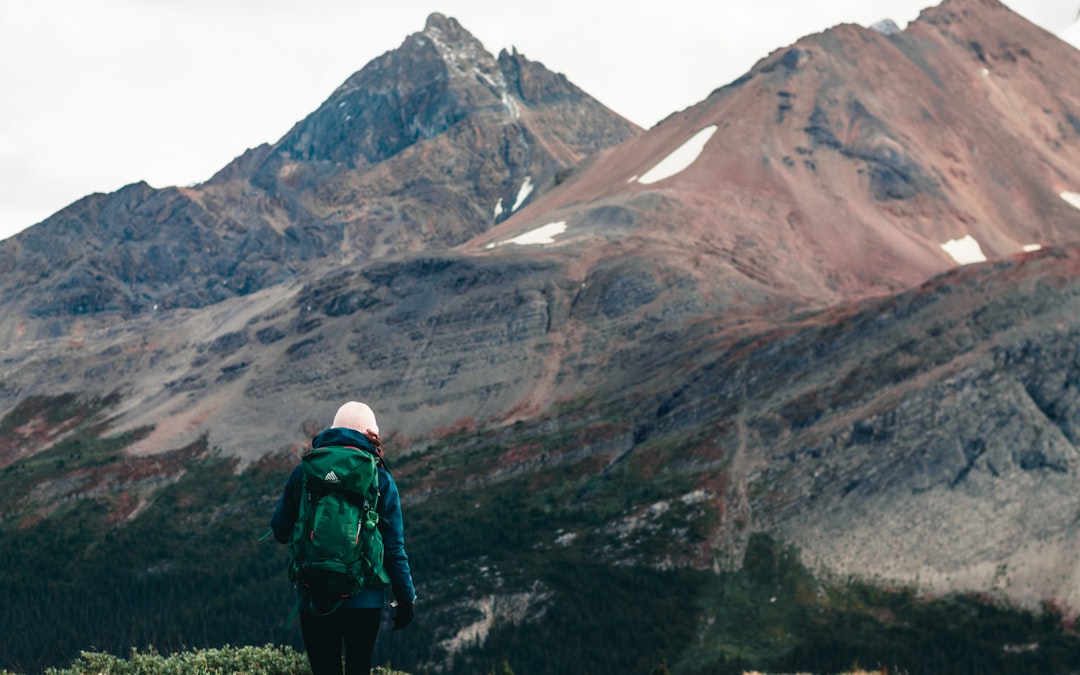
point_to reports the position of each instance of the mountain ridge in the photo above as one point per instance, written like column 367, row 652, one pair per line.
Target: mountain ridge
column 902, row 207
column 643, row 374
column 726, row 254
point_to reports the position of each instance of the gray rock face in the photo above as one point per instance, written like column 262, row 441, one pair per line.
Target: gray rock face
column 404, row 96
column 893, row 175
column 927, row 439
column 141, row 248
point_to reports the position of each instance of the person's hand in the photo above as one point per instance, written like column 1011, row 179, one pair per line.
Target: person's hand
column 403, row 614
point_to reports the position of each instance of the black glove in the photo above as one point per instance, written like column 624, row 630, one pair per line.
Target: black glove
column 403, row 614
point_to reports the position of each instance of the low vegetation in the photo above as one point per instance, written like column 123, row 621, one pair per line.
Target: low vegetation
column 580, row 567
column 265, row 660
column 774, row 615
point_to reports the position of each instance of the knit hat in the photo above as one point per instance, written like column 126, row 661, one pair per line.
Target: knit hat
column 356, row 416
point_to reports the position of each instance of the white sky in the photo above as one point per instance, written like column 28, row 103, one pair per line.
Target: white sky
column 96, row 94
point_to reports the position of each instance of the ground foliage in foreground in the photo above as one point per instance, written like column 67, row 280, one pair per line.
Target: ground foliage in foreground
column 188, row 573
column 227, row 660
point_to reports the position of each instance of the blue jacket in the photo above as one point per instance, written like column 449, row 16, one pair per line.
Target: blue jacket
column 391, row 526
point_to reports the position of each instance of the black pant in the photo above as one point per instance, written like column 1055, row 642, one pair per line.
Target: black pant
column 324, row 635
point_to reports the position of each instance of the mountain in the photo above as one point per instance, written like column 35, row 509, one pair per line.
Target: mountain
column 726, row 377
column 845, row 164
column 428, row 145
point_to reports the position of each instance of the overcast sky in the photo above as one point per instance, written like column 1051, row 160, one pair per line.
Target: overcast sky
column 97, row 94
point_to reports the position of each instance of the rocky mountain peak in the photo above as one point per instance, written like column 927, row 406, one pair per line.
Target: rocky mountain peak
column 436, row 78
column 459, row 49
column 448, row 31
column 533, row 83
column 469, row 65
column 437, row 21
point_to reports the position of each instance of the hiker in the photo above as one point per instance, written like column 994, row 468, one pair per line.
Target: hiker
column 330, row 621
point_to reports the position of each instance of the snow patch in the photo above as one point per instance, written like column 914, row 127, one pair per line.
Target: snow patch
column 523, row 193
column 511, row 106
column 1028, row 248
column 500, row 85
column 1072, row 197
column 683, row 156
column 541, row 235
column 498, row 208
column 964, row 251
column 458, row 56
column 487, row 78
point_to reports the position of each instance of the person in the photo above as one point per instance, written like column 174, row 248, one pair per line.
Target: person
column 355, row 624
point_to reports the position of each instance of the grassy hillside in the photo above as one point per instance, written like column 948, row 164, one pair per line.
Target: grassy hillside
column 582, row 564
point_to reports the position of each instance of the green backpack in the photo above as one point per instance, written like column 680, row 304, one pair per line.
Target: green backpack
column 336, row 545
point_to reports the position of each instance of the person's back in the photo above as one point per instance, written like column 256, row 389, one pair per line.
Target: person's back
column 330, row 619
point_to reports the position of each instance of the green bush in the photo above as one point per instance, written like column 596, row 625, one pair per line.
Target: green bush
column 268, row 659
column 265, row 660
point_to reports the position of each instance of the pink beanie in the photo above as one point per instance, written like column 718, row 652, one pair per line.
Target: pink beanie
column 356, row 416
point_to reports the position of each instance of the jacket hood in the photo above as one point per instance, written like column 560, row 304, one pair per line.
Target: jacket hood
column 346, row 437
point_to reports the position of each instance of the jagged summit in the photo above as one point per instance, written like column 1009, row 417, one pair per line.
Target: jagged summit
column 449, row 32
column 414, row 92
column 459, row 49
column 440, row 22
column 434, row 80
